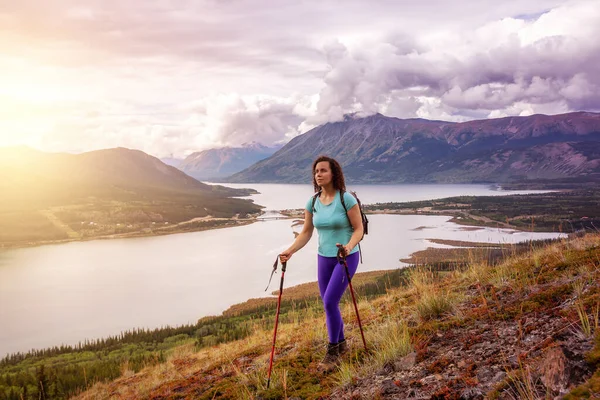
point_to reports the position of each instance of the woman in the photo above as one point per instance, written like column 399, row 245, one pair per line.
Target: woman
column 335, row 227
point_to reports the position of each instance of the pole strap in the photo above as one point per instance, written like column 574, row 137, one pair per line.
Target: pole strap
column 273, row 272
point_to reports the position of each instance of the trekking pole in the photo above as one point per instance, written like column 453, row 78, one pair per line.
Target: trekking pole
column 283, row 265
column 341, row 256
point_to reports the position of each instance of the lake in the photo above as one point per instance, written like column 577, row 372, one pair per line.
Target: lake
column 286, row 196
column 66, row 293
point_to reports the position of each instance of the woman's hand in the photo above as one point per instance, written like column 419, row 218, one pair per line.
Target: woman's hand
column 285, row 255
column 347, row 249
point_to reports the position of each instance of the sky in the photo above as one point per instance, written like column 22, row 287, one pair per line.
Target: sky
column 174, row 77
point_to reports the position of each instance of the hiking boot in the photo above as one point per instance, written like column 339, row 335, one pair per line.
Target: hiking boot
column 331, row 358
column 342, row 347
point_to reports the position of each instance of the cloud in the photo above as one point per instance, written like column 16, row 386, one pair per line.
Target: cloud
column 217, row 121
column 173, row 78
column 503, row 64
column 233, row 119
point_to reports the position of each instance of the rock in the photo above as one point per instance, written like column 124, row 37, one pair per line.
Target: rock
column 484, row 374
column 387, row 369
column 554, row 370
column 389, row 387
column 428, row 380
column 406, row 362
column 500, row 375
column 472, row 394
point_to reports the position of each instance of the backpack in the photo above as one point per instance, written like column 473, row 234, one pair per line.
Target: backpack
column 363, row 216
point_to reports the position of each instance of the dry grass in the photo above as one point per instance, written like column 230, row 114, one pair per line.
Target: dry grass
column 421, row 279
column 433, row 301
column 391, row 341
column 478, row 272
column 434, row 304
column 588, row 323
column 522, row 385
column 346, row 374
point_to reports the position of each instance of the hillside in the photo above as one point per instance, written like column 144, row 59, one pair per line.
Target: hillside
column 380, row 149
column 523, row 328
column 55, row 196
column 38, row 177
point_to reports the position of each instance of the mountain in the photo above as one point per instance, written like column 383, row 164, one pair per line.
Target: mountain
column 172, row 161
column 33, row 178
column 380, row 149
column 222, row 162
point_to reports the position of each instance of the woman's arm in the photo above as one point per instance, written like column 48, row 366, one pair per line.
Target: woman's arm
column 301, row 239
column 357, row 228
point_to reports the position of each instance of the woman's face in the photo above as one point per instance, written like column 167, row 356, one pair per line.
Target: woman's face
column 323, row 174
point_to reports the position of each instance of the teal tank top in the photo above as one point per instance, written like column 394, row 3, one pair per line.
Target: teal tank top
column 332, row 223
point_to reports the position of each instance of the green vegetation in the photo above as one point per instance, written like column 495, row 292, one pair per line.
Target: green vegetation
column 556, row 212
column 67, row 370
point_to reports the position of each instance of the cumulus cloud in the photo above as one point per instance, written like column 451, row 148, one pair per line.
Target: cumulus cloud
column 510, row 66
column 232, row 120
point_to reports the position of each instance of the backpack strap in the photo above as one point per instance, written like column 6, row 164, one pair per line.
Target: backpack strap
column 345, row 209
column 314, row 199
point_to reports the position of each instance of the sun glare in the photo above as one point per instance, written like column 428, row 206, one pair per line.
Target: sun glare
column 30, row 106
column 24, row 90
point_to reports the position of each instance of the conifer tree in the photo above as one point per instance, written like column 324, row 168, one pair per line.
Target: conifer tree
column 42, row 383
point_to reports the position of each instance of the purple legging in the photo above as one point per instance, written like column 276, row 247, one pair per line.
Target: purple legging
column 332, row 284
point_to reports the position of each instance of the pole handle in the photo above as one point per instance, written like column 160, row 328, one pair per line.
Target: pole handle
column 341, row 254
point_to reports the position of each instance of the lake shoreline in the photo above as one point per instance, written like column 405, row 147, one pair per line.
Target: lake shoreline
column 231, row 223
column 460, row 216
column 454, row 215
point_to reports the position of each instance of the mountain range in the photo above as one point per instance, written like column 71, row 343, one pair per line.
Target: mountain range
column 221, row 162
column 380, row 149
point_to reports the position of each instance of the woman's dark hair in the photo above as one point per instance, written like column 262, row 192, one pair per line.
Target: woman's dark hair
column 336, row 171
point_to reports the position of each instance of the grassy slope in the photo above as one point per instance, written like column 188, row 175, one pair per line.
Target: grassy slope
column 548, row 284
